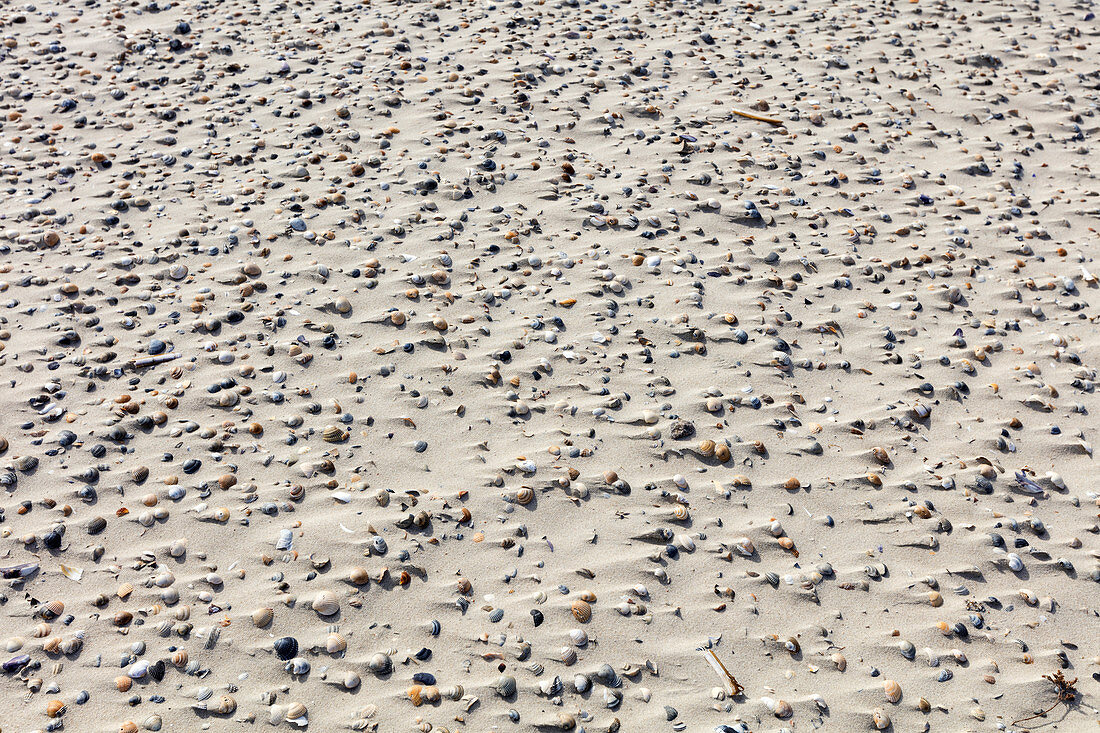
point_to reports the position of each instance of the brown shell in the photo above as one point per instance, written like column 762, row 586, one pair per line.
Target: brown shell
column 123, row 683
column 55, row 708
column 358, row 575
column 706, row 448
column 525, row 496
column 53, row 609
column 792, row 483
column 261, row 617
column 582, row 611
column 722, row 453
column 41, row 631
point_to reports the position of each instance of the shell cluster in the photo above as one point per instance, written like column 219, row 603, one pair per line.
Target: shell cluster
column 547, row 365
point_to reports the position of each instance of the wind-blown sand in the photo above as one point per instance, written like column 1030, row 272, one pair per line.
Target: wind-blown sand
column 514, row 355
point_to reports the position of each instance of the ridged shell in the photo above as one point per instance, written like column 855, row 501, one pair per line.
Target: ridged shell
column 261, row 617
column 333, row 434
column 568, row 656
column 286, row 647
column 41, row 631
column 706, row 448
column 179, row 658
column 52, row 645
column 123, row 683
column 892, row 690
column 124, row 591
column 335, row 643
column 52, row 609
column 525, row 496
column 326, row 603
column 380, row 663
column 582, row 611
column 453, row 693
column 71, row 645
column 295, row 711
column 578, row 637
column 415, row 695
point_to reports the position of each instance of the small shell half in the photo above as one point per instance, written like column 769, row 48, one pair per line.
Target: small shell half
column 326, row 603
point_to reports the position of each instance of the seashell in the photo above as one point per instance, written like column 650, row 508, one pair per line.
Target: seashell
column 179, row 658
column 359, row 576
column 779, row 708
column 51, row 610
column 123, row 683
column 792, row 646
column 581, row 683
column 892, row 690
column 568, row 656
column 333, row 434
column 935, row 599
column 335, row 643
column 226, row 705
column 286, row 647
column 124, row 591
column 14, row 643
column 839, row 661
column 587, row 596
column 51, row 646
column 578, row 637
column 297, row 666
column 722, row 453
column 923, row 705
column 326, row 603
column 907, row 649
column 792, row 483
column 453, row 693
column 415, row 694
column 706, row 448
column 525, row 496
column 71, row 645
column 505, row 686
column 40, row 631
column 261, row 617
column 153, row 723
column 178, row 548
column 128, row 727
column 880, row 720
column 55, row 708
column 681, row 513
column 880, row 455
column 582, row 611
column 380, row 663
column 351, row 680
column 221, row 514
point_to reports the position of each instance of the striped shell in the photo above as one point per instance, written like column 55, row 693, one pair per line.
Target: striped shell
column 578, row 637
column 525, row 496
column 333, row 434
column 326, row 603
column 892, row 690
column 71, row 645
column 722, row 453
column 568, row 656
column 453, row 693
column 335, row 643
column 41, row 631
column 52, row 645
column 681, row 513
column 415, row 695
column 52, row 609
column 261, row 617
column 880, row 720
column 706, row 448
column 179, row 658
column 582, row 611
column 124, row 591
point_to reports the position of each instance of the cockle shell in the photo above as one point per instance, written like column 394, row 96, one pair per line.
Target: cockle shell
column 380, row 663
column 892, row 690
column 41, row 631
column 335, row 643
column 51, row 609
column 582, row 611
column 333, row 434
column 326, row 603
column 568, row 656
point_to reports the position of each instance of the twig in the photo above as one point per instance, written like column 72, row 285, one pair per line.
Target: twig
column 758, row 118
column 733, row 686
column 1066, row 694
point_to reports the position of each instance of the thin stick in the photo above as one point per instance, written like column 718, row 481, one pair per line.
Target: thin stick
column 735, row 687
column 758, row 118
column 1037, row 715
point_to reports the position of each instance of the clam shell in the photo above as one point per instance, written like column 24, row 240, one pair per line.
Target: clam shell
column 839, row 661
column 505, row 685
column 351, row 680
column 578, row 637
column 453, row 693
column 179, row 658
column 358, row 576
column 40, row 631
column 892, row 690
column 333, row 434
column 261, row 617
column 335, row 643
column 326, row 603
column 880, row 720
column 722, row 453
column 568, row 656
column 380, row 663
column 415, row 695
column 582, row 611
column 226, row 705
column 706, row 448
column 525, row 496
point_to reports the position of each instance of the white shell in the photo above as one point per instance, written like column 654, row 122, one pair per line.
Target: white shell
column 326, row 603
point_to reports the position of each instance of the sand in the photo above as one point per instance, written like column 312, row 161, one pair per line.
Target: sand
column 526, row 359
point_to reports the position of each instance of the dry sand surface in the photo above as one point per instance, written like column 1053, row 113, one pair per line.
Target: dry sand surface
column 473, row 366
